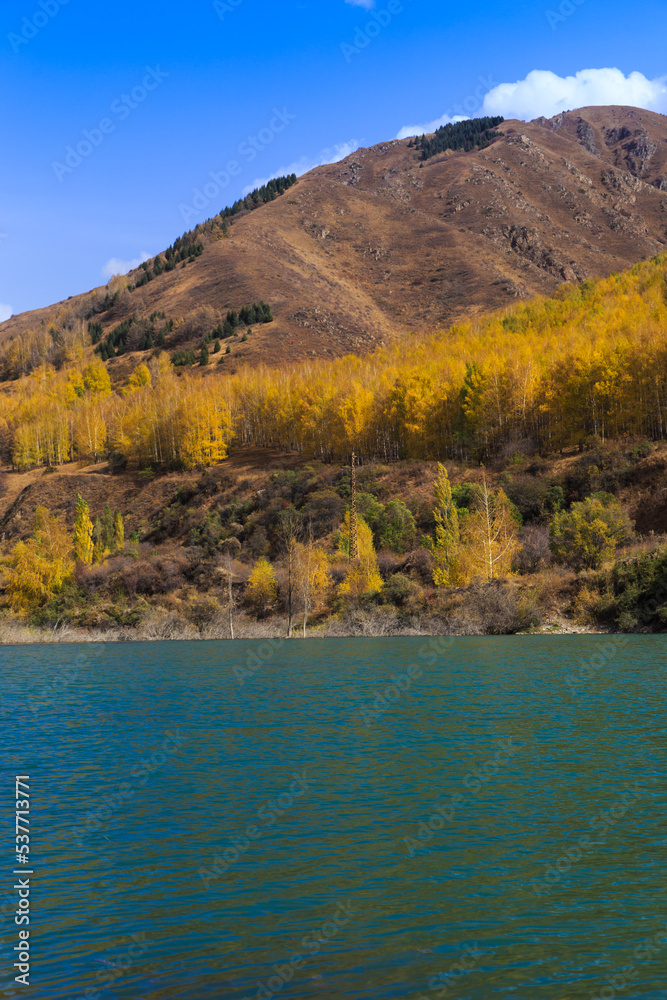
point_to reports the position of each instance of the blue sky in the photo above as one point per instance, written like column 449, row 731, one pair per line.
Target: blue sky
column 210, row 97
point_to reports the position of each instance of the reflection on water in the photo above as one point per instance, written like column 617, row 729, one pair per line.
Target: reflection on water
column 366, row 819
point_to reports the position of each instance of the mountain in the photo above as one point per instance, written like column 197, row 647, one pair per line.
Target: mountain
column 382, row 243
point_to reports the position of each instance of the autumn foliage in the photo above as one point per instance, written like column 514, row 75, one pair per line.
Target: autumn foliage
column 37, row 568
column 550, row 373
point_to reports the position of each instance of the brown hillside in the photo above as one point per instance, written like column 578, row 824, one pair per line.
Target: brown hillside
column 363, row 250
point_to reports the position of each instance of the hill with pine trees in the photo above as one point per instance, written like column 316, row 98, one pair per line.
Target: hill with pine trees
column 405, row 236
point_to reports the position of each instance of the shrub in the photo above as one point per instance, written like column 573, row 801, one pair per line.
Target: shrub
column 420, row 564
column 589, row 533
column 535, row 553
column 642, row 450
column 403, row 593
column 143, row 577
column 633, row 594
column 498, row 609
column 529, row 495
column 196, row 324
column 324, row 510
column 201, row 611
column 389, row 563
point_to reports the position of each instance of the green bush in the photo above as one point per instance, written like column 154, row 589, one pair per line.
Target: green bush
column 396, row 528
column 403, row 593
column 589, row 532
column 632, row 595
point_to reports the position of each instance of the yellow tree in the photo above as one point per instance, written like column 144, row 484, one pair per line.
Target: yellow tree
column 37, row 569
column 363, row 576
column 489, row 533
column 74, row 387
column 140, row 377
column 203, row 427
column 83, row 532
column 96, row 379
column 446, row 530
column 90, row 432
column 312, row 577
column 262, row 587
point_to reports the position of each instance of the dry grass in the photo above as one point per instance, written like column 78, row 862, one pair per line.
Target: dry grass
column 355, row 255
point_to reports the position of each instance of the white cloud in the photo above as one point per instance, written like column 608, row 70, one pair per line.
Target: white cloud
column 5, row 312
column 545, row 93
column 409, row 130
column 118, row 266
column 366, row 4
column 330, row 155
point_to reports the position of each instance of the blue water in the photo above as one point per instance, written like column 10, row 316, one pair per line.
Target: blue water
column 312, row 783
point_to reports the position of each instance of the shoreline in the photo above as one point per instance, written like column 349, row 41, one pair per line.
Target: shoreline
column 23, row 635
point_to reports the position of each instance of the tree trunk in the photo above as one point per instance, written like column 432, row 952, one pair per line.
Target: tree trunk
column 230, row 602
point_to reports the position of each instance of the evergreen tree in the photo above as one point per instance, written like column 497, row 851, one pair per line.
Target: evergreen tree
column 107, row 528
column 216, row 347
column 466, row 135
column 446, row 530
column 203, row 359
column 83, row 532
column 119, row 530
column 98, row 546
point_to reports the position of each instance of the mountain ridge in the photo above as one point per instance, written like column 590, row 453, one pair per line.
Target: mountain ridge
column 379, row 244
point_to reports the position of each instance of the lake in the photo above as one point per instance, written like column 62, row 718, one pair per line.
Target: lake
column 424, row 818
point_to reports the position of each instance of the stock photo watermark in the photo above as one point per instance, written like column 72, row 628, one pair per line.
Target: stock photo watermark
column 384, row 698
column 588, row 669
column 268, row 814
column 31, row 26
column 249, row 150
column 223, row 8
column 117, row 967
column 601, row 824
column 473, row 102
column 446, row 812
column 442, row 982
column 312, row 944
column 22, row 885
column 566, row 9
column 643, row 952
column 378, row 21
column 115, row 801
column 255, row 660
column 122, row 107
column 54, row 690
